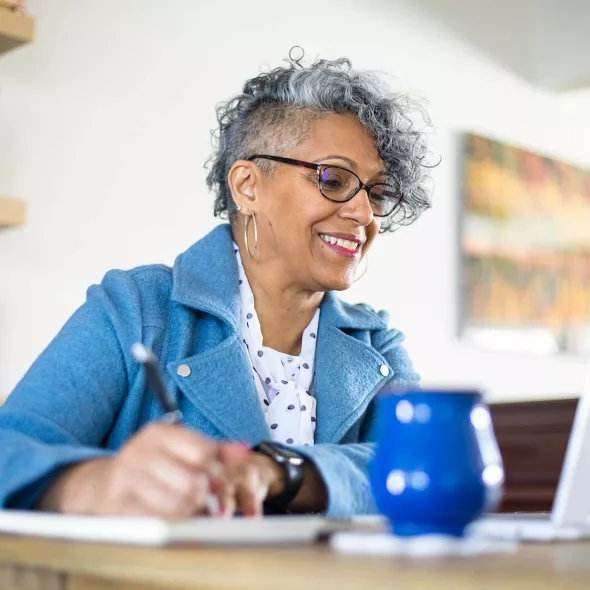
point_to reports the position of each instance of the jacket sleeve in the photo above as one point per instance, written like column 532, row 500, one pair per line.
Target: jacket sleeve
column 65, row 405
column 344, row 467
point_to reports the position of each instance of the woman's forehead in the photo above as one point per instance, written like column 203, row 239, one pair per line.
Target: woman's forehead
column 341, row 136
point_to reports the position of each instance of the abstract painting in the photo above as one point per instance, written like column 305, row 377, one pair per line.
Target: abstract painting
column 525, row 244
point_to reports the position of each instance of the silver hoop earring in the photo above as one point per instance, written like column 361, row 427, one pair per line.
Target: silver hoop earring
column 357, row 279
column 246, row 223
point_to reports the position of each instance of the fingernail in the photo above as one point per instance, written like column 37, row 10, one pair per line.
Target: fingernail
column 241, row 447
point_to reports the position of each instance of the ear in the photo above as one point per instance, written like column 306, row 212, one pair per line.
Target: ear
column 242, row 179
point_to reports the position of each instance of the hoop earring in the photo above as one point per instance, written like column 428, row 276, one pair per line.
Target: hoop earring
column 246, row 223
column 357, row 279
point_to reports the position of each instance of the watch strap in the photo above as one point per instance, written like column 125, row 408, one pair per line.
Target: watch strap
column 292, row 473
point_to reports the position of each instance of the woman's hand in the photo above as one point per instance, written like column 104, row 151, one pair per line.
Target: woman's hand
column 164, row 470
column 249, row 478
column 246, row 482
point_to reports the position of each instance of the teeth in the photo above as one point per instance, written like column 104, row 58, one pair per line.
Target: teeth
column 353, row 246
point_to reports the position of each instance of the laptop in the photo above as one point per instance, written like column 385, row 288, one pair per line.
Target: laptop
column 569, row 518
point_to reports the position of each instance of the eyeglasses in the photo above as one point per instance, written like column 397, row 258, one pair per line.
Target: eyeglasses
column 340, row 185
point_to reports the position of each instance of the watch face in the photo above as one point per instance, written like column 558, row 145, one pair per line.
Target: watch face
column 292, row 457
column 282, row 454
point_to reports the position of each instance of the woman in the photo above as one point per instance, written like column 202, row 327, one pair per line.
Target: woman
column 311, row 164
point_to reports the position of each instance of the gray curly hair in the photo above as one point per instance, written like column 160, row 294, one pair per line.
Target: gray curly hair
column 275, row 111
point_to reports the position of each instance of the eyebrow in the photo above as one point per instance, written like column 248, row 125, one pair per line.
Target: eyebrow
column 350, row 162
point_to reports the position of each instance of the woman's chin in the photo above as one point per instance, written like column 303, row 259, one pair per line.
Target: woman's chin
column 337, row 283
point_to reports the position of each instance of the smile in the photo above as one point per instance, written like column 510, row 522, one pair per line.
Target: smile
column 347, row 247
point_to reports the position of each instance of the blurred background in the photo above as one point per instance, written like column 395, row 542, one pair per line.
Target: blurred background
column 104, row 129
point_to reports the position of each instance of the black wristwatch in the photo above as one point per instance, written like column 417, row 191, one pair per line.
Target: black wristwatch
column 292, row 466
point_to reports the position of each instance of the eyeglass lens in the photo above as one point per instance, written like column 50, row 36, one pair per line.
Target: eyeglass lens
column 338, row 184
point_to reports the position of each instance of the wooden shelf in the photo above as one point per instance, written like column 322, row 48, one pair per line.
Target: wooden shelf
column 15, row 29
column 13, row 212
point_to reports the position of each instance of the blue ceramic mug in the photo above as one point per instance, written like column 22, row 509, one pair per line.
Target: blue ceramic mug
column 437, row 465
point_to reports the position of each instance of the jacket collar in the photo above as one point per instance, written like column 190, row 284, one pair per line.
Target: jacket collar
column 205, row 277
column 348, row 370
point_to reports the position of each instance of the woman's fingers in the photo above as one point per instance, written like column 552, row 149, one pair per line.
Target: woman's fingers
column 188, row 488
column 226, row 495
column 185, row 446
column 233, row 453
column 160, row 489
column 156, row 500
column 241, row 489
column 250, row 496
column 166, row 470
column 162, row 471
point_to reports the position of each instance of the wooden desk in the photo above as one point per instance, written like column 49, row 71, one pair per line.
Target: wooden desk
column 36, row 564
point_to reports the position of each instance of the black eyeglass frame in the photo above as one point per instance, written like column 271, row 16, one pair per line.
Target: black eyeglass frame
column 318, row 169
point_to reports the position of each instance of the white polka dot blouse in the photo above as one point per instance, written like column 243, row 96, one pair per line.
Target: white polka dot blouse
column 283, row 382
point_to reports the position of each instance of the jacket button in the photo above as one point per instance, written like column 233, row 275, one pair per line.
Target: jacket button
column 384, row 370
column 183, row 370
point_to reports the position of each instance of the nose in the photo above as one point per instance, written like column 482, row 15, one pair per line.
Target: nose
column 358, row 209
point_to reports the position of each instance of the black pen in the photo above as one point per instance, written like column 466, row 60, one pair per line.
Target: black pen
column 148, row 359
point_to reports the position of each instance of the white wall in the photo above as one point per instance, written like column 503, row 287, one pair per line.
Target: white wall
column 104, row 127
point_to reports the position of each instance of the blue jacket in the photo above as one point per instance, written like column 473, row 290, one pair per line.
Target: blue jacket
column 85, row 396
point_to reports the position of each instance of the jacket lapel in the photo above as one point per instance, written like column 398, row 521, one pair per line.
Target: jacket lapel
column 205, row 277
column 220, row 385
column 348, row 371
